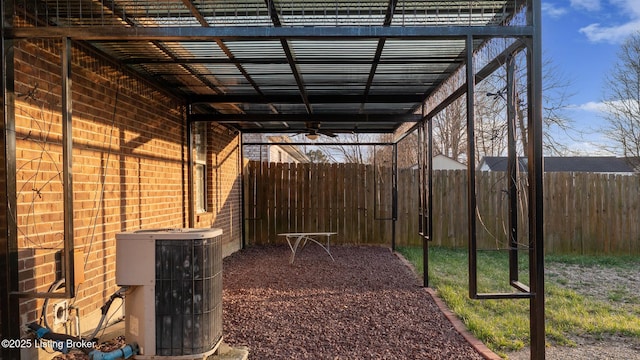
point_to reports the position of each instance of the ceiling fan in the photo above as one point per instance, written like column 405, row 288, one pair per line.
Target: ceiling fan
column 313, row 131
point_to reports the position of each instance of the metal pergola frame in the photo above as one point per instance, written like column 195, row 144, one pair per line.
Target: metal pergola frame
column 529, row 36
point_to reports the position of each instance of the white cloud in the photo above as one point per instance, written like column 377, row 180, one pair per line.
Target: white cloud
column 589, row 148
column 605, row 107
column 631, row 6
column 590, row 5
column 629, row 17
column 610, row 34
column 553, row 11
column 591, row 106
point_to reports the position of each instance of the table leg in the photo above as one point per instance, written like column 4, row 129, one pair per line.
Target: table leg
column 326, row 248
column 296, row 244
column 294, row 248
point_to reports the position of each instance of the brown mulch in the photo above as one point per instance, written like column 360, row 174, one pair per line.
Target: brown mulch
column 365, row 305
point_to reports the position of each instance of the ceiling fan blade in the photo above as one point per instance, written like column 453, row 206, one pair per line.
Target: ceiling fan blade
column 327, row 133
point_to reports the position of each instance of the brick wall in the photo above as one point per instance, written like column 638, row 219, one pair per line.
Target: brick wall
column 256, row 152
column 224, row 187
column 129, row 169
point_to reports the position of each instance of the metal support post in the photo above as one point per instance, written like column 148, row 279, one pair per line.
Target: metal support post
column 191, row 203
column 471, row 171
column 9, row 304
column 429, row 198
column 67, row 168
column 512, row 171
column 68, row 243
column 535, row 171
column 243, row 204
column 429, row 222
column 394, row 195
column 424, row 224
column 421, row 201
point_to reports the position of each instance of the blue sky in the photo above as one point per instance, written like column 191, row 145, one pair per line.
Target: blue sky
column 582, row 38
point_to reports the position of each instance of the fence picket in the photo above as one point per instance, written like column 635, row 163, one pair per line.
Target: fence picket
column 584, row 213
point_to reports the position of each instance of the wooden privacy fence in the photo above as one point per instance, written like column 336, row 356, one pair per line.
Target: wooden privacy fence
column 343, row 198
column 583, row 213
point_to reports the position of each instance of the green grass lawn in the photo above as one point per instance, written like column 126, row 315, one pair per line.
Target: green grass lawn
column 503, row 325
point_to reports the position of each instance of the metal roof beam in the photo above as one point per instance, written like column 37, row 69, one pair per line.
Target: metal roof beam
column 201, row 19
column 314, row 143
column 191, row 33
column 376, row 58
column 273, row 13
column 270, row 61
column 314, row 99
column 386, row 130
column 324, row 118
column 214, row 85
column 296, row 74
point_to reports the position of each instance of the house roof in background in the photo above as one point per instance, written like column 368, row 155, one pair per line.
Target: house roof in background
column 443, row 162
column 596, row 164
column 293, row 150
column 635, row 162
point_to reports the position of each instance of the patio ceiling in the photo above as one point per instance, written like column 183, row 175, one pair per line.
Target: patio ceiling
column 284, row 66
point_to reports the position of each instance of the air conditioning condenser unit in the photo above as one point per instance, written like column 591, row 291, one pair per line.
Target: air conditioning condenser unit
column 174, row 306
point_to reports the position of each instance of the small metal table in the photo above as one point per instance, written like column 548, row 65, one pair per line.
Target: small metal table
column 307, row 236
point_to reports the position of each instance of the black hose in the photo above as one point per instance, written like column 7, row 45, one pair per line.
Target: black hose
column 105, row 310
column 64, row 342
column 55, row 286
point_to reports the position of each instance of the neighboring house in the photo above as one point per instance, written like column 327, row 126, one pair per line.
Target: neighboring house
column 273, row 153
column 442, row 162
column 591, row 164
column 635, row 163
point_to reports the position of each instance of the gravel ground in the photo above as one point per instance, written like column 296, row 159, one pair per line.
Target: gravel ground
column 368, row 305
column 365, row 305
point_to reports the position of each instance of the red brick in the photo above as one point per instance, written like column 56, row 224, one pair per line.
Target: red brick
column 123, row 128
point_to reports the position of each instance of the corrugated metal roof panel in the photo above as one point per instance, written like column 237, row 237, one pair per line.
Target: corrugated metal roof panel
column 296, row 68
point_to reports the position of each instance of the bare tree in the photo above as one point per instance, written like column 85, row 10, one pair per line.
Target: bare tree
column 622, row 100
column 450, row 124
column 346, row 151
column 492, row 105
column 490, row 125
column 407, row 150
column 555, row 99
column 449, row 131
column 317, row 156
column 450, row 128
